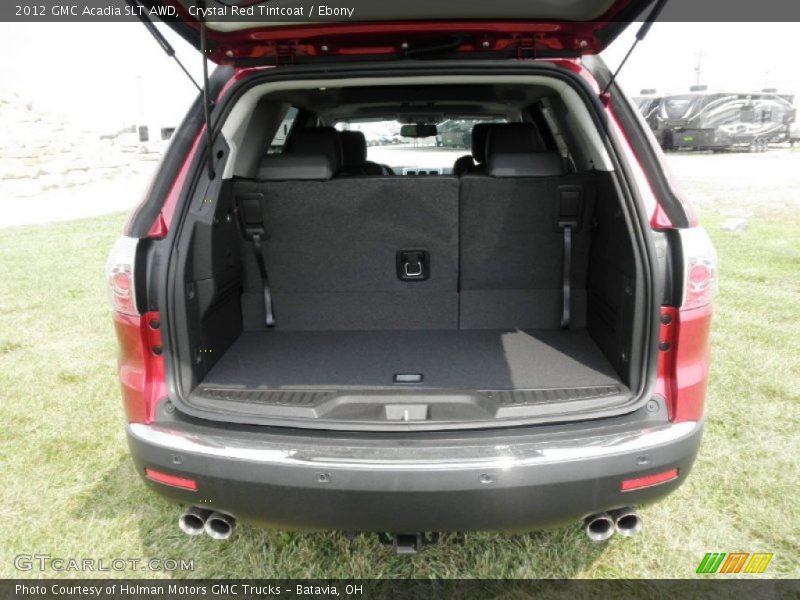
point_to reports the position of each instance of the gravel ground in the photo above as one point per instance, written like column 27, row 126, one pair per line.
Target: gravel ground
column 731, row 184
column 738, row 183
column 100, row 196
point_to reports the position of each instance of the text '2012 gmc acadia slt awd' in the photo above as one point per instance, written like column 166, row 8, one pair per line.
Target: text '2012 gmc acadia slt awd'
column 330, row 319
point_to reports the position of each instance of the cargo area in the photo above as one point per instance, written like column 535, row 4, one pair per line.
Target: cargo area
column 358, row 360
column 324, row 293
column 408, row 376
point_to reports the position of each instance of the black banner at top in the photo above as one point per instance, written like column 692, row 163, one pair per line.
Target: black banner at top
column 259, row 12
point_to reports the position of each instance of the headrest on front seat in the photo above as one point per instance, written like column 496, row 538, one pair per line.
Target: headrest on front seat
column 480, row 131
column 517, row 150
column 280, row 167
column 354, row 148
column 318, row 140
column 467, row 163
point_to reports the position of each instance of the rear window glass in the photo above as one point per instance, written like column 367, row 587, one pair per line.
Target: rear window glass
column 552, row 125
column 434, row 154
column 279, row 139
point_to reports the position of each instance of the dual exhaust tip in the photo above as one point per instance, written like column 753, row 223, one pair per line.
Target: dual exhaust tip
column 599, row 527
column 216, row 525
column 625, row 521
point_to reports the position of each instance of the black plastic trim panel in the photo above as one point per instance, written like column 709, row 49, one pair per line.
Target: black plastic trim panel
column 371, row 408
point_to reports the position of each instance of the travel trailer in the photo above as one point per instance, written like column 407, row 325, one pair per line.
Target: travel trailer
column 702, row 120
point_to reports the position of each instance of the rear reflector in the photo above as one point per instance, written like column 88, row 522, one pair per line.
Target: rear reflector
column 173, row 480
column 648, row 480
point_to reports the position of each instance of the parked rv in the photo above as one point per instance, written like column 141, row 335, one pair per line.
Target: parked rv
column 150, row 137
column 794, row 134
column 721, row 120
column 648, row 104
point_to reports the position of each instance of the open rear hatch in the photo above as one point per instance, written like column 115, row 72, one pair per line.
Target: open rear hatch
column 250, row 32
column 473, row 346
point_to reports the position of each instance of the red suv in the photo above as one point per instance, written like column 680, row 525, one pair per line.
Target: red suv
column 327, row 321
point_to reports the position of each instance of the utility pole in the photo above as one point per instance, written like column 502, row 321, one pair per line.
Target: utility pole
column 698, row 67
column 139, row 99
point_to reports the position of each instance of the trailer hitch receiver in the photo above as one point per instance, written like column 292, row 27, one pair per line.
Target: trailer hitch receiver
column 407, row 544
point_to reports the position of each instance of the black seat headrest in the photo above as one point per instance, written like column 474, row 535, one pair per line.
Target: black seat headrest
column 354, row 148
column 318, row 140
column 280, row 167
column 517, row 150
column 463, row 165
column 514, row 138
column 480, row 131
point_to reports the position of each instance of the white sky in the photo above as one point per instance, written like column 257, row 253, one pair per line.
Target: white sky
column 100, row 75
column 744, row 56
column 103, row 75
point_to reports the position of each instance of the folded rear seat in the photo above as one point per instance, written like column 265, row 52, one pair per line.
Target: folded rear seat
column 331, row 246
column 512, row 236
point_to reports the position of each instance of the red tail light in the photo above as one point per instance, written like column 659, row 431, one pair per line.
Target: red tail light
column 119, row 273
column 699, row 267
column 684, row 334
column 140, row 364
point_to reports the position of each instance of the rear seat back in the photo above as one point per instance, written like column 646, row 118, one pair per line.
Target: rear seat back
column 315, row 141
column 331, row 252
column 494, row 243
column 512, row 248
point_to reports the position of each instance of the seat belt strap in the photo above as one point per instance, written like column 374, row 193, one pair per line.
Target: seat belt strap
column 255, row 231
column 570, row 204
column 262, row 266
column 566, row 275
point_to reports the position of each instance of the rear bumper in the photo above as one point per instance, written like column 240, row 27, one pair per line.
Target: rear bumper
column 489, row 481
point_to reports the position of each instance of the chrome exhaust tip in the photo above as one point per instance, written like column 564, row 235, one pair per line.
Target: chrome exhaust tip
column 193, row 520
column 220, row 526
column 599, row 527
column 627, row 521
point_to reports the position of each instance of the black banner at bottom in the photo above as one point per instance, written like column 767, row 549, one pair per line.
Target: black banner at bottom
column 234, row 589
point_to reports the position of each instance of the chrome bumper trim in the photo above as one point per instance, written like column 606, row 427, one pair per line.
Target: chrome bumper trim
column 413, row 455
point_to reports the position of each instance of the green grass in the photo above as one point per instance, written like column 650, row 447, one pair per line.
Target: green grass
column 67, row 487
